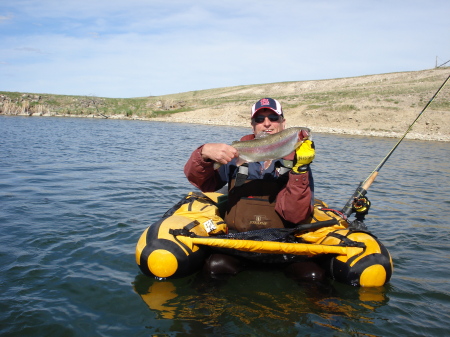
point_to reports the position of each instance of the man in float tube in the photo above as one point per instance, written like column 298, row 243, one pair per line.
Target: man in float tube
column 271, row 194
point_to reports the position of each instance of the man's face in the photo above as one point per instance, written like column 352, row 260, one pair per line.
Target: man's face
column 266, row 125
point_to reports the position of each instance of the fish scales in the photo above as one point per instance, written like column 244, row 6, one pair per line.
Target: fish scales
column 271, row 147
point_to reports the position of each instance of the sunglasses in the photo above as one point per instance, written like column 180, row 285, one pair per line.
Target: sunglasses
column 272, row 118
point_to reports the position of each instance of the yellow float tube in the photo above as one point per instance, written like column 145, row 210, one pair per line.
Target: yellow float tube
column 372, row 267
column 162, row 254
column 177, row 245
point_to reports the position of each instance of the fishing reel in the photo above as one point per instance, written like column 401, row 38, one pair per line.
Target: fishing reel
column 360, row 206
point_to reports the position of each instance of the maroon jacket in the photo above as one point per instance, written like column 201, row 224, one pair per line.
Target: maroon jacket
column 294, row 201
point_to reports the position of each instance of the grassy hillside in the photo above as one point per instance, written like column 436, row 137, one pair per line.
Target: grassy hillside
column 385, row 103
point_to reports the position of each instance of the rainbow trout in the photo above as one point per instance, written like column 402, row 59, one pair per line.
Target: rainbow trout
column 271, row 147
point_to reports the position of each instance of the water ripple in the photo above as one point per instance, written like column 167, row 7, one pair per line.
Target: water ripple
column 74, row 206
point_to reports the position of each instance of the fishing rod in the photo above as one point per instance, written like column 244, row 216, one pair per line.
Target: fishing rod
column 361, row 190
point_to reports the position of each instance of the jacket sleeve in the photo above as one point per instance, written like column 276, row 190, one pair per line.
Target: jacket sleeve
column 201, row 173
column 295, row 201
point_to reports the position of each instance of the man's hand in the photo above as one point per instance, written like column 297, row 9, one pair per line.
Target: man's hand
column 219, row 153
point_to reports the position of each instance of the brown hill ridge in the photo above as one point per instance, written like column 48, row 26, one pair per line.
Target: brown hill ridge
column 382, row 105
column 377, row 105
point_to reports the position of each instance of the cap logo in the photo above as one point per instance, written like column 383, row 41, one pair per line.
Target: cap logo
column 265, row 101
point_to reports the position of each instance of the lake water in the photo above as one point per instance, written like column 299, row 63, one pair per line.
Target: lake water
column 76, row 194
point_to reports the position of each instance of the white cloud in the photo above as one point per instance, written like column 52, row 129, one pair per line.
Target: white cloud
column 4, row 18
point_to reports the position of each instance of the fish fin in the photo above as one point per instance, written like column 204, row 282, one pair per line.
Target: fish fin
column 267, row 164
column 240, row 161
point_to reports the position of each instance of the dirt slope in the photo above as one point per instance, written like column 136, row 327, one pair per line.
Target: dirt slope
column 379, row 105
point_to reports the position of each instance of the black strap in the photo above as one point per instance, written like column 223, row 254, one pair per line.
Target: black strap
column 345, row 241
column 315, row 225
column 186, row 230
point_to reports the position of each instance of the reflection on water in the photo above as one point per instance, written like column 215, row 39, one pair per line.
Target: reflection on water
column 157, row 297
column 259, row 299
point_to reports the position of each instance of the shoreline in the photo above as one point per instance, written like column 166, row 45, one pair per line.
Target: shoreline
column 319, row 129
column 381, row 105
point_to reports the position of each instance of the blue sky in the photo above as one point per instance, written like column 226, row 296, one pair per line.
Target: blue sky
column 135, row 48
